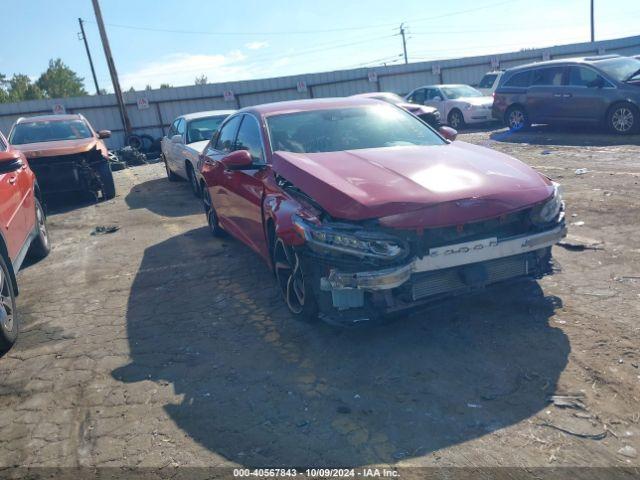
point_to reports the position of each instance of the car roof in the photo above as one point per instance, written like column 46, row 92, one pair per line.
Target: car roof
column 208, row 113
column 50, row 118
column 448, row 85
column 292, row 106
column 563, row 61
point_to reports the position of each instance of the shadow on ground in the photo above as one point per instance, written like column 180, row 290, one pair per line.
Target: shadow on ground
column 564, row 136
column 174, row 203
column 262, row 389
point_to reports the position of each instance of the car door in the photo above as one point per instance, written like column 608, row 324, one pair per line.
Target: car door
column 417, row 96
column 435, row 98
column 583, row 99
column 167, row 147
column 545, row 94
column 14, row 200
column 177, row 149
column 244, row 188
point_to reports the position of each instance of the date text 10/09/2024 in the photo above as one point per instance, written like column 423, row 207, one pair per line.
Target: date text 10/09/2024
column 315, row 473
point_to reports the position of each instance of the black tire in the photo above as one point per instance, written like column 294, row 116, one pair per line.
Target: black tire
column 170, row 175
column 106, row 177
column 40, row 247
column 212, row 218
column 455, row 119
column 135, row 141
column 9, row 323
column 297, row 294
column 623, row 119
column 193, row 181
column 516, row 119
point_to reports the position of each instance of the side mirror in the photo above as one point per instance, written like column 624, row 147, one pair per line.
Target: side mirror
column 176, row 139
column 437, row 98
column 237, row 160
column 104, row 134
column 10, row 161
column 448, row 133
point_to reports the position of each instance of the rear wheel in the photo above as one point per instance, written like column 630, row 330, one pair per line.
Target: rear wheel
column 517, row 119
column 212, row 218
column 40, row 247
column 193, row 181
column 295, row 290
column 106, row 177
column 623, row 119
column 8, row 314
column 456, row 119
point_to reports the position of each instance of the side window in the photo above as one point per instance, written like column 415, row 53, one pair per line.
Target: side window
column 3, row 145
column 174, row 128
column 433, row 93
column 522, row 79
column 487, row 80
column 249, row 139
column 418, row 97
column 227, row 136
column 181, row 127
column 550, row 76
column 585, row 77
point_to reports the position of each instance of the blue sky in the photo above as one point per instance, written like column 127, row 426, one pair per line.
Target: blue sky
column 244, row 39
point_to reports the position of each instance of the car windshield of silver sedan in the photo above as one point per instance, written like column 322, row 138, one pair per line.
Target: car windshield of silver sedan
column 35, row 132
column 462, row 91
column 202, row 128
column 350, row 128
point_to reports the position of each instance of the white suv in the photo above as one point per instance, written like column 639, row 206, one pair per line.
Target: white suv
column 490, row 82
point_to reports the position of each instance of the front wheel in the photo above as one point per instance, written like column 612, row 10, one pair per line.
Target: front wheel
column 290, row 276
column 40, row 247
column 193, row 181
column 8, row 314
column 456, row 119
column 170, row 175
column 623, row 119
column 210, row 212
column 517, row 119
column 106, row 177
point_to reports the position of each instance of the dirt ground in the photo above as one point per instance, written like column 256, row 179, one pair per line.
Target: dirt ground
column 160, row 346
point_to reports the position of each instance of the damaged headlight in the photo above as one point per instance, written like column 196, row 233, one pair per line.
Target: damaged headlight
column 358, row 243
column 550, row 210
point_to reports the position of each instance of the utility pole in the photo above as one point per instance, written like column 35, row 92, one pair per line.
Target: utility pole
column 86, row 46
column 593, row 36
column 112, row 69
column 404, row 42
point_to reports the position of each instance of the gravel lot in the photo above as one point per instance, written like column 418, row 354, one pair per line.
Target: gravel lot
column 158, row 345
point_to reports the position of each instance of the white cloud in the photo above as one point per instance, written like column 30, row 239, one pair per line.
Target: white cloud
column 182, row 69
column 257, row 45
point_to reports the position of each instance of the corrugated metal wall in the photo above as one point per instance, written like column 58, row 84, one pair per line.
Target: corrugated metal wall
column 166, row 104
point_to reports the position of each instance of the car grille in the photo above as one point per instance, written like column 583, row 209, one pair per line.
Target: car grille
column 470, row 276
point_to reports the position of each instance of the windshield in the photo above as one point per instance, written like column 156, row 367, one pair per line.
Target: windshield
column 49, row 131
column 620, row 68
column 351, row 128
column 461, row 91
column 203, row 128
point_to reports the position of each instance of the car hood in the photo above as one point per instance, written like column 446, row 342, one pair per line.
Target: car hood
column 415, row 187
column 476, row 101
column 58, row 147
column 198, row 146
column 417, row 109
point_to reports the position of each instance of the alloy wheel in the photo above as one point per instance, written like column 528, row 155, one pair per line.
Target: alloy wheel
column 289, row 276
column 516, row 120
column 455, row 120
column 622, row 119
column 6, row 304
column 42, row 225
column 212, row 218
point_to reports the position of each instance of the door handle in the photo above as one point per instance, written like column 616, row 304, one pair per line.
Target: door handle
column 567, row 95
column 557, row 95
column 12, row 180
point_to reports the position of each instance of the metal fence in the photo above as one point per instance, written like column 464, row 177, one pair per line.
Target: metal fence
column 152, row 111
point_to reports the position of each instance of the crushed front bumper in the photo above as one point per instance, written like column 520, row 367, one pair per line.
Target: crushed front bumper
column 447, row 269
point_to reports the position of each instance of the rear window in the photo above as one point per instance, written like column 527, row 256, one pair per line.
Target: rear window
column 49, row 131
column 487, row 80
column 203, row 128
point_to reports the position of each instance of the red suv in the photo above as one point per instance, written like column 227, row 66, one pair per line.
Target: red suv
column 24, row 230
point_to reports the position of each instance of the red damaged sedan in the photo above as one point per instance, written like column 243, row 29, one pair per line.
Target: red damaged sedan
column 363, row 210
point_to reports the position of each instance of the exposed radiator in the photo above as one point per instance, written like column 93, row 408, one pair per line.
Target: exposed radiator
column 454, row 279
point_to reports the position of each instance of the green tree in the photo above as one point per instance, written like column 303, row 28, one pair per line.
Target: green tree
column 60, row 81
column 4, row 95
column 201, row 80
column 165, row 85
column 148, row 87
column 21, row 88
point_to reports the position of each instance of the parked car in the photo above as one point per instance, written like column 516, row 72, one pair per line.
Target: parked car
column 66, row 154
column 363, row 210
column 24, row 231
column 603, row 90
column 431, row 115
column 185, row 141
column 490, row 82
column 460, row 105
